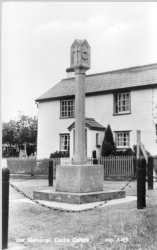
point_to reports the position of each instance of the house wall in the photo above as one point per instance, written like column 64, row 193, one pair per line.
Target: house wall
column 91, row 142
column 49, row 127
column 100, row 108
column 141, row 117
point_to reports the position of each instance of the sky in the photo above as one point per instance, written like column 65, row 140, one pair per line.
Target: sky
column 36, row 40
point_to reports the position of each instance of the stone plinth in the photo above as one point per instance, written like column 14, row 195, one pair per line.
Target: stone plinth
column 79, row 184
column 79, row 178
column 78, row 198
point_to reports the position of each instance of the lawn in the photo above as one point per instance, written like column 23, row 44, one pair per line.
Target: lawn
column 119, row 226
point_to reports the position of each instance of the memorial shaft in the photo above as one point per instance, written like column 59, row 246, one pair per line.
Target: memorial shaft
column 80, row 63
column 80, row 145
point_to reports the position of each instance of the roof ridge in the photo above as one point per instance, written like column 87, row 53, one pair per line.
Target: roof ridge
column 117, row 70
column 135, row 77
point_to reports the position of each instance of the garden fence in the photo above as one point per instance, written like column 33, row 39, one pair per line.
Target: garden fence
column 117, row 167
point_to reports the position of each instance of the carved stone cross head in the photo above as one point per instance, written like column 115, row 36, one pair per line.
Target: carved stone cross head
column 80, row 54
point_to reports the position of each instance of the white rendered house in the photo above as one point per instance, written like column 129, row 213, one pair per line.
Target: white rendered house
column 126, row 99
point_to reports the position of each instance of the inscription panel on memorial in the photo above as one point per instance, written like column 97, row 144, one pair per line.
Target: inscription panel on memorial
column 92, row 178
column 67, row 179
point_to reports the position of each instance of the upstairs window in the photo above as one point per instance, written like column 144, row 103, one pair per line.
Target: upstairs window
column 122, row 139
column 67, row 108
column 122, row 103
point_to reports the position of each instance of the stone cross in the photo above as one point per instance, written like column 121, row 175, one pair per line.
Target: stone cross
column 76, row 50
column 79, row 182
column 80, row 63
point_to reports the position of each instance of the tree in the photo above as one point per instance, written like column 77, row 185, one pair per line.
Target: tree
column 9, row 133
column 17, row 132
column 108, row 145
column 27, row 128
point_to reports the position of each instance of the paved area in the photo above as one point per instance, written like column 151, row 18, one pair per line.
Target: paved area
column 81, row 206
column 39, row 184
column 29, row 186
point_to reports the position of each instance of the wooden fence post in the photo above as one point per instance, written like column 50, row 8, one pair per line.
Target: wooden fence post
column 135, row 167
column 141, row 184
column 150, row 173
column 32, row 168
column 50, row 173
column 5, row 206
column 138, row 143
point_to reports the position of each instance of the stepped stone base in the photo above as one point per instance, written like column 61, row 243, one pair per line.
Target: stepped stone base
column 78, row 184
column 78, row 198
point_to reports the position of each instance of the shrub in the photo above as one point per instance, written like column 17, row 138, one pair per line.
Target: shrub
column 108, row 145
column 59, row 154
column 129, row 151
column 126, row 152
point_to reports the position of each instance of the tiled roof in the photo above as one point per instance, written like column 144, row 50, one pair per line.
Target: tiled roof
column 91, row 124
column 134, row 77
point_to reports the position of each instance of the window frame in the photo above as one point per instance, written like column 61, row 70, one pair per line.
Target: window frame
column 115, row 95
column 97, row 139
column 61, row 108
column 116, row 139
column 68, row 145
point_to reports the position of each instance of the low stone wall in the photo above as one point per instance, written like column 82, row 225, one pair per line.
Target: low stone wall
column 21, row 165
column 30, row 166
column 41, row 165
